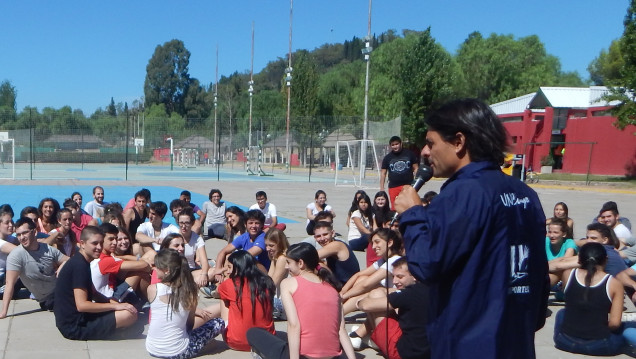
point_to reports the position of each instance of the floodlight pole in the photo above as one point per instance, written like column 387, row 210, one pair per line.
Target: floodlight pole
column 365, row 127
column 288, row 78
column 251, row 90
column 216, row 84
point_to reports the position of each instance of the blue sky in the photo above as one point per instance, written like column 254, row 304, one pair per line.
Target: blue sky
column 82, row 53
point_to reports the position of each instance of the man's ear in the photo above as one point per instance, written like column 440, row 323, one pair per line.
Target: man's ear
column 460, row 144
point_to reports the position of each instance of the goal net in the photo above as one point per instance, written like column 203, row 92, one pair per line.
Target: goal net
column 186, row 157
column 7, row 156
column 356, row 164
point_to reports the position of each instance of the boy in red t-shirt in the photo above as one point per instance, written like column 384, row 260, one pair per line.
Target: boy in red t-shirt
column 114, row 278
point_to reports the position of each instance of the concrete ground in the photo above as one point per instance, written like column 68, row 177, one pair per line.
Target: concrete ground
column 30, row 333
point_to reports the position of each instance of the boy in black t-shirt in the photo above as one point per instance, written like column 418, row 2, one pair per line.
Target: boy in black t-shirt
column 77, row 317
column 401, row 335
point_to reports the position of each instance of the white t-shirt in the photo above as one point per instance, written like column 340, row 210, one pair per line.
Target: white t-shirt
column 101, row 280
column 314, row 210
column 269, row 211
column 167, row 333
column 96, row 210
column 166, row 229
column 354, row 232
column 383, row 264
column 623, row 233
column 190, row 249
column 3, row 257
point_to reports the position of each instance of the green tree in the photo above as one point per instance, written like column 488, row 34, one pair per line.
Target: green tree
column 111, row 109
column 501, row 67
column 606, row 68
column 425, row 77
column 625, row 112
column 340, row 90
column 8, row 95
column 167, row 79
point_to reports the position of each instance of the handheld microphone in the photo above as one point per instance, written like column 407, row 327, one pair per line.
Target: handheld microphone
column 424, row 174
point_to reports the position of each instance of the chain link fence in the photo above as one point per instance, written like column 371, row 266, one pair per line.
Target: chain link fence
column 121, row 148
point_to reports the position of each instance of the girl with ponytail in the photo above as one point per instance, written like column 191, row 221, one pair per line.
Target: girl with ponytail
column 311, row 300
column 590, row 296
column 173, row 302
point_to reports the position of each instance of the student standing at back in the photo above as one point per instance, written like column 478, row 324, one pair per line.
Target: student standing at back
column 400, row 165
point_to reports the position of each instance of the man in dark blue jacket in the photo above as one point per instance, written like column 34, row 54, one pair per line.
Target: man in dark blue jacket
column 480, row 244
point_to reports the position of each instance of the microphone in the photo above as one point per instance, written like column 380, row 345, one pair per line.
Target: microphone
column 424, row 174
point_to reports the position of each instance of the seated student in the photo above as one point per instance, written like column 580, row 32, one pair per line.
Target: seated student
column 144, row 192
column 62, row 237
column 176, row 206
column 600, row 233
column 174, row 301
column 609, row 216
column 117, row 279
column 557, row 245
column 77, row 317
column 32, row 213
column 6, row 246
column 315, row 324
column 322, row 216
column 96, row 207
column 137, row 214
column 388, row 245
column 338, row 255
column 77, row 198
column 214, row 215
column 269, row 210
column 6, row 226
column 391, row 222
column 47, row 215
column 276, row 244
column 186, row 197
column 246, row 299
column 406, row 334
column 235, row 223
column 361, row 224
column 35, row 264
column 252, row 241
column 428, row 197
column 194, row 248
column 591, row 296
column 151, row 233
column 80, row 220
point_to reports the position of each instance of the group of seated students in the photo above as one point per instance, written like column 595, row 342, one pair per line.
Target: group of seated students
column 97, row 274
column 592, row 275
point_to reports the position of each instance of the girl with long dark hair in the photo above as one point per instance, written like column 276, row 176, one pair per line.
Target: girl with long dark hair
column 173, row 302
column 591, row 297
column 361, row 224
column 381, row 208
column 311, row 301
column 247, row 299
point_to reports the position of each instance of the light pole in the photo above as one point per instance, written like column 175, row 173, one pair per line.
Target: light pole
column 288, row 78
column 365, row 127
column 251, row 91
column 216, row 92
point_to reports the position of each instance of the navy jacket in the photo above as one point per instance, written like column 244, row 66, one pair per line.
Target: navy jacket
column 480, row 244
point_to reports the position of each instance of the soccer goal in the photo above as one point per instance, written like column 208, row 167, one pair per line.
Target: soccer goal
column 356, row 164
column 254, row 161
column 7, row 155
column 186, row 157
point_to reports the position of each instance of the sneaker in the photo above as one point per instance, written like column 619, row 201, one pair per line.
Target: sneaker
column 210, row 291
column 356, row 341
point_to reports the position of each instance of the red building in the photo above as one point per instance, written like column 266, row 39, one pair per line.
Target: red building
column 571, row 128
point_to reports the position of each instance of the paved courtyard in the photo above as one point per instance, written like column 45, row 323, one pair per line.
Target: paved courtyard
column 30, row 333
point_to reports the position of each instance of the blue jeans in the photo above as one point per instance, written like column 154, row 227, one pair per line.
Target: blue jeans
column 607, row 346
column 359, row 244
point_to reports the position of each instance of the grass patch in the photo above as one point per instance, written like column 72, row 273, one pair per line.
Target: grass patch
column 583, row 178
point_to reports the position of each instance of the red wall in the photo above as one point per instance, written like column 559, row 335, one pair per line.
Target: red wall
column 613, row 154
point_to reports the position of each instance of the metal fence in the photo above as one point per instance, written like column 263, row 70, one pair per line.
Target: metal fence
column 120, row 149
